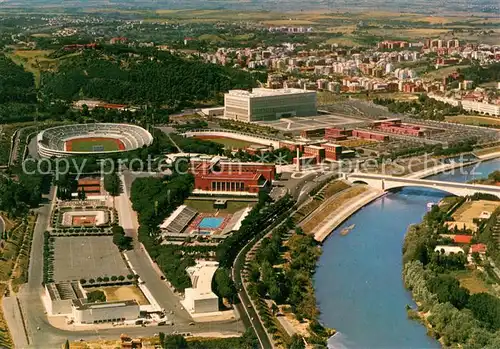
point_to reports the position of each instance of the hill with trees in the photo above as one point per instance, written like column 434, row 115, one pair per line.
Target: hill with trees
column 17, row 91
column 142, row 76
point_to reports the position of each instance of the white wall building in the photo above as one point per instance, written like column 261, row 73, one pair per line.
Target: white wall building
column 269, row 104
column 480, row 107
column 200, row 298
column 448, row 249
column 60, row 296
column 93, row 313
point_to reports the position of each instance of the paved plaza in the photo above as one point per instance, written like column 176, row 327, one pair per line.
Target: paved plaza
column 78, row 258
column 312, row 122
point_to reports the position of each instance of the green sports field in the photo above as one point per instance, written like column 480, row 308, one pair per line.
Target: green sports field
column 94, row 144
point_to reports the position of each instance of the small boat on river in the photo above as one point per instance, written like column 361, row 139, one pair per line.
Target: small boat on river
column 347, row 230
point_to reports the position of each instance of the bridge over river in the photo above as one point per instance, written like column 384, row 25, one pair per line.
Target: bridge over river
column 385, row 182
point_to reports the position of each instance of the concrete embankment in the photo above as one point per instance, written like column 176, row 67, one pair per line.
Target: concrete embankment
column 338, row 216
column 452, row 166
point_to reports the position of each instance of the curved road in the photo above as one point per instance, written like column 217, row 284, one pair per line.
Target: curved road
column 43, row 335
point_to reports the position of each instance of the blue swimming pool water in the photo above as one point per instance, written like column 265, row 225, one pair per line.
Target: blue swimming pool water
column 210, row 223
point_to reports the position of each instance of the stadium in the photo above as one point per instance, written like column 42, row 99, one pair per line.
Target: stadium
column 91, row 139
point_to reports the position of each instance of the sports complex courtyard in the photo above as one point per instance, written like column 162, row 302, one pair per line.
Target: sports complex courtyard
column 304, row 123
column 86, row 257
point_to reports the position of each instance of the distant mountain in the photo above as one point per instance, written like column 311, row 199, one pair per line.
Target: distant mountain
column 422, row 6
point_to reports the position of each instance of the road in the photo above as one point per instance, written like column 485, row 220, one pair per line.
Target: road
column 300, row 190
column 43, row 335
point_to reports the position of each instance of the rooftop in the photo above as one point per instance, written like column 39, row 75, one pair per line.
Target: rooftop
column 201, row 276
column 99, row 305
column 65, row 291
column 266, row 92
column 462, row 239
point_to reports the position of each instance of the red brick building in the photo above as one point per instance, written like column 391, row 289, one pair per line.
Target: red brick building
column 363, row 134
column 316, row 151
column 334, row 132
column 232, row 177
column 396, row 127
column 333, row 151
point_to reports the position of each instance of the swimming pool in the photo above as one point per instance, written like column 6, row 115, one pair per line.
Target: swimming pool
column 210, row 223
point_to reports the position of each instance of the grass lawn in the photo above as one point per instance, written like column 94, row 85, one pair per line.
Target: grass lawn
column 472, row 280
column 93, row 144
column 445, row 71
column 5, row 339
column 206, row 206
column 230, row 143
column 474, row 120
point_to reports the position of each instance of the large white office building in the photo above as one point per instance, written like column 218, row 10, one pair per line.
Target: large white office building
column 200, row 298
column 269, row 104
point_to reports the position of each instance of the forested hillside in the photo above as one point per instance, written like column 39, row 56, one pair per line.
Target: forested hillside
column 142, row 76
column 17, row 91
column 16, row 85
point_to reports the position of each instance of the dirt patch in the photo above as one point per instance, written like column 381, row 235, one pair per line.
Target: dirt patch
column 123, row 293
column 473, row 209
column 472, row 281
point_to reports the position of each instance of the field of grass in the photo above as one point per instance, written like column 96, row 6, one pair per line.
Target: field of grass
column 20, row 273
column 474, row 120
column 487, row 151
column 472, row 280
column 230, row 143
column 442, row 72
column 328, row 191
column 5, row 339
column 329, row 206
column 206, row 206
column 92, row 144
column 35, row 61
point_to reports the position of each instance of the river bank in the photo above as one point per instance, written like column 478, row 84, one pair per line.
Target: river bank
column 337, row 217
column 363, row 269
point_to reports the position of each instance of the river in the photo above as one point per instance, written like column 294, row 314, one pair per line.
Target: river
column 358, row 281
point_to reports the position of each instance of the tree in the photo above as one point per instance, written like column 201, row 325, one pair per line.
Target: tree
column 224, row 285
column 112, row 184
column 66, row 344
column 175, row 341
column 297, row 342
column 486, row 308
column 122, row 241
column 96, row 296
column 161, row 337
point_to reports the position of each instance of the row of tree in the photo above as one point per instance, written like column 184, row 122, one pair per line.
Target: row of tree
column 176, row 341
column 457, row 317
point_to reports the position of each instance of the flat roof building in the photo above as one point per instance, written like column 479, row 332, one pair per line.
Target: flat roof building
column 269, row 104
column 199, row 298
column 94, row 313
column 231, row 178
column 61, row 295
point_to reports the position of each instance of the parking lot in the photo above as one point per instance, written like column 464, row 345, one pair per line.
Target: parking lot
column 311, row 122
column 78, row 258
